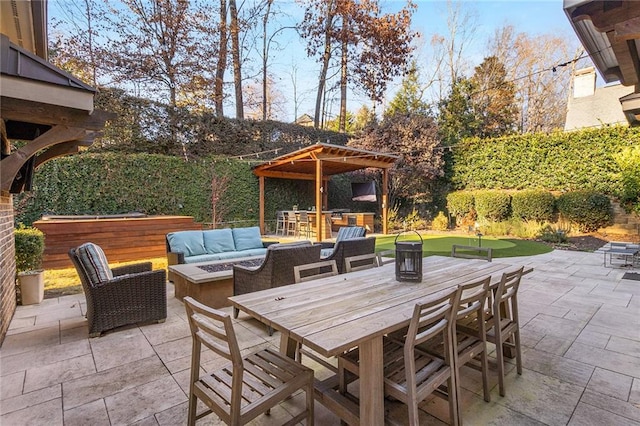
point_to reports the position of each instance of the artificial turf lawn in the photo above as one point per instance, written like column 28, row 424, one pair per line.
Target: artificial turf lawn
column 441, row 245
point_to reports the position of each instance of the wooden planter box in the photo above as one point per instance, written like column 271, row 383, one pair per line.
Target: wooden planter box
column 122, row 238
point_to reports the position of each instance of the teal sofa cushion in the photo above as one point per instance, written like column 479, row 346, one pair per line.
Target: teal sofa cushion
column 191, row 243
column 218, row 241
column 247, row 238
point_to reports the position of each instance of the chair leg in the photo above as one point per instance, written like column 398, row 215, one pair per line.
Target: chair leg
column 453, row 392
column 518, row 351
column 193, row 403
column 310, row 402
column 484, row 362
column 500, row 362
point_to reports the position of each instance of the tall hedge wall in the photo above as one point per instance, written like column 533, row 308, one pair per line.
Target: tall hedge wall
column 114, row 183
column 557, row 161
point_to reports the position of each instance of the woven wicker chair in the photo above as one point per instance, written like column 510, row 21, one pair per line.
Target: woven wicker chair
column 349, row 248
column 276, row 270
column 135, row 294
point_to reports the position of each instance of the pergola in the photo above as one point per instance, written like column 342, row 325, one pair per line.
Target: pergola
column 318, row 163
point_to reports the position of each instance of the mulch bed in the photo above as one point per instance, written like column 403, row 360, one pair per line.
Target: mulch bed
column 229, row 265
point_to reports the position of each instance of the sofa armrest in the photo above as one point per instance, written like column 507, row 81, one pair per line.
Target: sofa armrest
column 131, row 269
column 175, row 258
column 266, row 244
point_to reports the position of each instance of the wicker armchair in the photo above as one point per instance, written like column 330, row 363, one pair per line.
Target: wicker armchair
column 349, row 248
column 276, row 270
column 134, row 294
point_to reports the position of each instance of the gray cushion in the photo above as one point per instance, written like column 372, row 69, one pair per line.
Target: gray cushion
column 218, row 240
column 94, row 263
column 348, row 232
column 247, row 238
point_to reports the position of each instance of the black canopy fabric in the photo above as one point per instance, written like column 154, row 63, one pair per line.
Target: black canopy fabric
column 364, row 191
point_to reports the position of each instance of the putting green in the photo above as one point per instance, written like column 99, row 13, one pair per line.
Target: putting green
column 441, row 245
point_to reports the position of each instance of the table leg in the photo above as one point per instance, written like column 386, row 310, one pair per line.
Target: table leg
column 287, row 346
column 371, row 383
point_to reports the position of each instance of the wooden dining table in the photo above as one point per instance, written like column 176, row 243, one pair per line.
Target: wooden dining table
column 334, row 314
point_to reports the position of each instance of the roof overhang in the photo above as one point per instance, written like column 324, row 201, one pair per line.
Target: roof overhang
column 335, row 159
column 610, row 32
column 25, row 23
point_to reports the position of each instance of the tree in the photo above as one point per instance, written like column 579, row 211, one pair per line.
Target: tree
column 235, row 54
column 415, row 138
column 493, row 99
column 74, row 45
column 221, row 65
column 449, row 50
column 457, row 118
column 375, row 47
column 166, row 47
column 409, row 99
column 541, row 84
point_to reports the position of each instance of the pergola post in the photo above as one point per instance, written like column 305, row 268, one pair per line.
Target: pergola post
column 261, row 185
column 319, row 197
column 385, row 201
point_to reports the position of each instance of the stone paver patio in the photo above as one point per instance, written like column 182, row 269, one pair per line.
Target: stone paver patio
column 581, row 341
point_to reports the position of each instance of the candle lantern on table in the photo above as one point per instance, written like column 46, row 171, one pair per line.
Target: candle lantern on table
column 409, row 260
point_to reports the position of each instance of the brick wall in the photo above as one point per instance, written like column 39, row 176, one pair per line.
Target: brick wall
column 7, row 265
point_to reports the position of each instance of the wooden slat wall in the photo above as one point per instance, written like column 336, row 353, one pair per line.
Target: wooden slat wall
column 121, row 239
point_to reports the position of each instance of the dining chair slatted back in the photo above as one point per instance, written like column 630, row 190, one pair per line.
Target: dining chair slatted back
column 360, row 262
column 384, row 256
column 410, row 373
column 423, row 372
column 314, row 271
column 505, row 330
column 252, row 385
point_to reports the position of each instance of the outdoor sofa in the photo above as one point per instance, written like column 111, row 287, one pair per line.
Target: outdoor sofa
column 350, row 242
column 214, row 244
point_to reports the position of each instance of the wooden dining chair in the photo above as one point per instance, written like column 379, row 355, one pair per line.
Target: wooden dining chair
column 308, row 272
column 411, row 374
column 470, row 342
column 501, row 325
column 360, row 262
column 383, row 256
column 249, row 386
column 314, row 271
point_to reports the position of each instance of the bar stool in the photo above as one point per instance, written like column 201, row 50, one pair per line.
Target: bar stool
column 281, row 222
column 292, row 223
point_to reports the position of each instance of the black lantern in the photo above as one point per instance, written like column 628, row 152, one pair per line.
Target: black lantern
column 409, row 260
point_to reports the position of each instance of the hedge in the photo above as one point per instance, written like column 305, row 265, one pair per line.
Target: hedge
column 589, row 210
column 559, row 161
column 533, row 205
column 115, row 183
column 493, row 205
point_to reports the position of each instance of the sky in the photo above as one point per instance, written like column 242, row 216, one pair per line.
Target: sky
column 532, row 17
column 288, row 51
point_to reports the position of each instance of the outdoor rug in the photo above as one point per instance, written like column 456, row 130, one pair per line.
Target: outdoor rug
column 631, row 276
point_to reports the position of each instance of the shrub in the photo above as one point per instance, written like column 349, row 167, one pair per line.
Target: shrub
column 460, row 203
column 628, row 160
column 440, row 222
column 533, row 205
column 589, row 210
column 551, row 235
column 493, row 205
column 29, row 248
